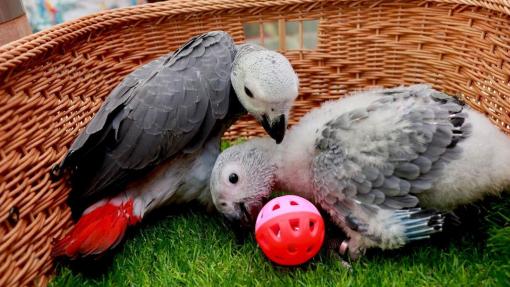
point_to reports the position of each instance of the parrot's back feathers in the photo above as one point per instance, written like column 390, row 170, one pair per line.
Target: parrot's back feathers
column 392, row 148
column 167, row 106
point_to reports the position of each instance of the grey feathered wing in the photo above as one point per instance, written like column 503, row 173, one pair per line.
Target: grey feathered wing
column 168, row 106
column 384, row 164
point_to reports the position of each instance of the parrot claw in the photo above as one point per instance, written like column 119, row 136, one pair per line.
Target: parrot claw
column 334, row 248
column 55, row 173
column 339, row 248
column 355, row 254
column 350, row 249
column 346, row 265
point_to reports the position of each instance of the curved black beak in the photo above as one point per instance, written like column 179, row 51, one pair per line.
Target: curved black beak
column 240, row 223
column 243, row 220
column 275, row 128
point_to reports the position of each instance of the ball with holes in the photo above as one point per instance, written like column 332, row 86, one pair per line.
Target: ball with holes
column 289, row 230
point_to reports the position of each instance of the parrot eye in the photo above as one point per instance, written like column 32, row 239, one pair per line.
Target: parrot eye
column 233, row 178
column 248, row 92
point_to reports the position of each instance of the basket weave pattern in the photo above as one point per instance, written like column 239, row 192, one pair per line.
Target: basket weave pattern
column 51, row 83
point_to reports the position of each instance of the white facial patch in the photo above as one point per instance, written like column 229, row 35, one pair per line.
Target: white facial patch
column 271, row 76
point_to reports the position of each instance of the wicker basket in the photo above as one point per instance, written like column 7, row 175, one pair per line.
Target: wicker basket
column 51, row 83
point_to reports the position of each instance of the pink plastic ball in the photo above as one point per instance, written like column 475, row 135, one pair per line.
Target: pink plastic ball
column 289, row 230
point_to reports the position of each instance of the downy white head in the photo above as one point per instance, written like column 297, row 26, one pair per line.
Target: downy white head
column 242, row 179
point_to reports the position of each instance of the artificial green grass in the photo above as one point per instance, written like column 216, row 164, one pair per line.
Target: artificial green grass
column 193, row 248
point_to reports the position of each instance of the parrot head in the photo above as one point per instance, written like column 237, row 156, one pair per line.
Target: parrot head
column 242, row 180
column 266, row 85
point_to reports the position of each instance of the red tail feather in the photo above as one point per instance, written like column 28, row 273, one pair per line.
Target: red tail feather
column 97, row 231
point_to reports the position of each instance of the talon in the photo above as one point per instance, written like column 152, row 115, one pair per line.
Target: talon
column 353, row 251
column 346, row 264
column 55, row 173
column 339, row 250
column 355, row 254
column 346, row 250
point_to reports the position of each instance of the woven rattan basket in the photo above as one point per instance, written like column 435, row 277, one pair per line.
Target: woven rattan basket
column 51, row 83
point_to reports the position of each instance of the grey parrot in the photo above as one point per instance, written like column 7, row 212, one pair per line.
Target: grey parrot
column 371, row 161
column 156, row 137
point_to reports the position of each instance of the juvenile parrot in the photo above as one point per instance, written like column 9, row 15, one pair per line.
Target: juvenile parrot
column 370, row 161
column 156, row 137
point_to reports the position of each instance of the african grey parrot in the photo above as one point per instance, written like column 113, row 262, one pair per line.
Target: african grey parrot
column 156, row 137
column 370, row 160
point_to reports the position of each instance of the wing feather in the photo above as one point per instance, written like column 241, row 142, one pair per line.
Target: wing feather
column 167, row 106
column 387, row 152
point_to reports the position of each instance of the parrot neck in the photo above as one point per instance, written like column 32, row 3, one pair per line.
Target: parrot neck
column 293, row 171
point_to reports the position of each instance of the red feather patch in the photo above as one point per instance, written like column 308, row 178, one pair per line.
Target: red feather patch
column 97, row 231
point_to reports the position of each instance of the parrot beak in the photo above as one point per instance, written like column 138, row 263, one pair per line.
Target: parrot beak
column 243, row 221
column 275, row 127
column 240, row 223
column 248, row 214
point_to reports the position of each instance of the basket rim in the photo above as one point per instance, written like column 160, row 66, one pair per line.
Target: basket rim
column 31, row 46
